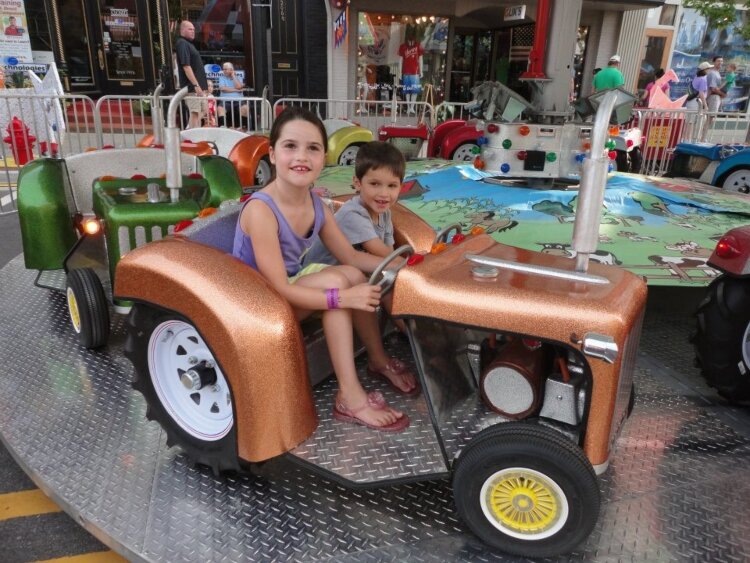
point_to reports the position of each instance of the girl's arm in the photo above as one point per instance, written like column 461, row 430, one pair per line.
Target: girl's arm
column 259, row 223
column 337, row 243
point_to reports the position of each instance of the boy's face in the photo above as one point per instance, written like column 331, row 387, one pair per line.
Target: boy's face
column 378, row 189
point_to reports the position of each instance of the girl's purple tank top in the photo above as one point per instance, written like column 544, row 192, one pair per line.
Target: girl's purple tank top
column 293, row 247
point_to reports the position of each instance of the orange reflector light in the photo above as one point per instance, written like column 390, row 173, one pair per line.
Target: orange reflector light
column 207, row 212
column 91, row 226
column 107, row 178
column 458, row 237
column 586, row 146
column 728, row 247
column 414, row 259
column 524, row 130
column 90, row 149
column 614, row 131
column 476, row 230
column 182, row 225
column 478, row 163
column 438, row 248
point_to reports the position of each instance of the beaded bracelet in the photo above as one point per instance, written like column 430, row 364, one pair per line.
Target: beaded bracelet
column 332, row 298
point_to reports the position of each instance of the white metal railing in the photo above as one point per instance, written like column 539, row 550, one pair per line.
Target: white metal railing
column 124, row 121
column 662, row 130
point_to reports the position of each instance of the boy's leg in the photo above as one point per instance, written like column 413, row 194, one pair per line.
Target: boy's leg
column 337, row 325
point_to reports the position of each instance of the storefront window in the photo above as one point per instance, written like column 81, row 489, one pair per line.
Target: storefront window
column 220, row 35
column 471, row 53
column 121, row 40
column 75, row 40
column 388, row 49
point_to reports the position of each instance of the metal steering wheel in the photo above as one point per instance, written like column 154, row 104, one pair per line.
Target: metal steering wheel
column 442, row 234
column 386, row 278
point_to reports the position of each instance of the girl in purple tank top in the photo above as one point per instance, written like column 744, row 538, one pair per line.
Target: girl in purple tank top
column 275, row 229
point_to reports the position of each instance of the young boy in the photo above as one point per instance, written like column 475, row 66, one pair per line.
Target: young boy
column 366, row 218
column 730, row 77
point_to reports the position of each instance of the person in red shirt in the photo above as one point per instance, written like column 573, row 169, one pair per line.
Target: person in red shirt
column 411, row 52
column 12, row 28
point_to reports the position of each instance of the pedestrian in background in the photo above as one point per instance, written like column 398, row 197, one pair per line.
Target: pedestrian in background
column 714, row 82
column 191, row 74
column 609, row 77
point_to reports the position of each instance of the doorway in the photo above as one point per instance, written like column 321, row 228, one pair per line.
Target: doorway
column 107, row 46
column 654, row 55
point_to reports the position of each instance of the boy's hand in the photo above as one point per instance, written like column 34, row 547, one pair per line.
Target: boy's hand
column 364, row 297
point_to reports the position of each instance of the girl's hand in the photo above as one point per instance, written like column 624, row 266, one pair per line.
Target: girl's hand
column 364, row 297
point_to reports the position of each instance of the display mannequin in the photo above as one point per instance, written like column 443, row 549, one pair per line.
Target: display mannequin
column 410, row 69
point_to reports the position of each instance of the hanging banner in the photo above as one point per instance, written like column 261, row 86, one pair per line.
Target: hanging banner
column 340, row 29
column 15, row 46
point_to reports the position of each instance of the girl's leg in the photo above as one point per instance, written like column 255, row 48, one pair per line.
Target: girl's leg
column 368, row 329
column 337, row 325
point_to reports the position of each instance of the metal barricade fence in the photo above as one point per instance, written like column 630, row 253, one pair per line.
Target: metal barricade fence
column 35, row 125
column 125, row 121
column 370, row 114
column 662, row 130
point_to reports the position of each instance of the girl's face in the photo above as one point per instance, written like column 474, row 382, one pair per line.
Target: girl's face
column 299, row 154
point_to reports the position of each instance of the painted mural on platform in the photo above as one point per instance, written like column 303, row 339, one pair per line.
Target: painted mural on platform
column 660, row 229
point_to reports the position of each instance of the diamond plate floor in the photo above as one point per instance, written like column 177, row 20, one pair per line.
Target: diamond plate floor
column 673, row 492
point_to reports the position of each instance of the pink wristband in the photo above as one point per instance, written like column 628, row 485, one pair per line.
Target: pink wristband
column 332, row 298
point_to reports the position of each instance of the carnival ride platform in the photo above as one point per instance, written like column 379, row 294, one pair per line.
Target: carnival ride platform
column 674, row 490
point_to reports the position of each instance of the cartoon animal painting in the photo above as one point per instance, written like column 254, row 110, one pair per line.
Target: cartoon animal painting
column 486, row 220
column 690, row 248
column 558, row 249
column 635, row 237
column 678, row 265
column 651, row 204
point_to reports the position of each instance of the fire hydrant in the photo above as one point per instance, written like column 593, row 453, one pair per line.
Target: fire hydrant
column 20, row 141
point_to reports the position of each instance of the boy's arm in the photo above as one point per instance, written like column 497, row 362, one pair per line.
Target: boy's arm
column 377, row 247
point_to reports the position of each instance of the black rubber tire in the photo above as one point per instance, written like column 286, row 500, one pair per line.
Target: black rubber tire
column 622, row 161
column 85, row 288
column 636, row 160
column 220, row 455
column 631, row 401
column 723, row 317
column 538, row 448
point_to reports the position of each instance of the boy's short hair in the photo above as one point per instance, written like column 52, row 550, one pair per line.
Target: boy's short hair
column 377, row 154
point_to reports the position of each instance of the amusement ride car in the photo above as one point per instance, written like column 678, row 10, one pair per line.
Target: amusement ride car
column 522, row 401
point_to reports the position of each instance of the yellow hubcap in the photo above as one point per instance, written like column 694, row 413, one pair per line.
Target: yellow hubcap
column 75, row 315
column 524, row 503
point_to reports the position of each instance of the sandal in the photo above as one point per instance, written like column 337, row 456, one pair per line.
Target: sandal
column 396, row 367
column 376, row 401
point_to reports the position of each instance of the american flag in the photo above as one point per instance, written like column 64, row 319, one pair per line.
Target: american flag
column 521, row 43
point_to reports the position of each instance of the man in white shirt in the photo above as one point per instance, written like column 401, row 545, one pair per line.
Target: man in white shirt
column 713, row 79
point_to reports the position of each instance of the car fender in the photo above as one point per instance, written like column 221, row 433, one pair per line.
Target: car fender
column 456, row 138
column 246, row 155
column 250, row 328
column 343, row 138
column 47, row 229
column 439, row 133
column 739, row 160
column 222, row 178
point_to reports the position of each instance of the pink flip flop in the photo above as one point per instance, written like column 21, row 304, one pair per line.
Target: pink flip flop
column 376, row 401
column 396, row 367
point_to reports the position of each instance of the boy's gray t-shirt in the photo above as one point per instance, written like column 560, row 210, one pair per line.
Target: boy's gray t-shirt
column 355, row 222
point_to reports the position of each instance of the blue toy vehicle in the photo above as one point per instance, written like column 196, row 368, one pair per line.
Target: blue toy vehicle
column 723, row 166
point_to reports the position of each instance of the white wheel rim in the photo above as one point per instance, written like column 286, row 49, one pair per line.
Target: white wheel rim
column 206, row 414
column 520, row 523
column 738, row 181
column 348, row 156
column 73, row 310
column 746, row 345
column 263, row 173
column 464, row 153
